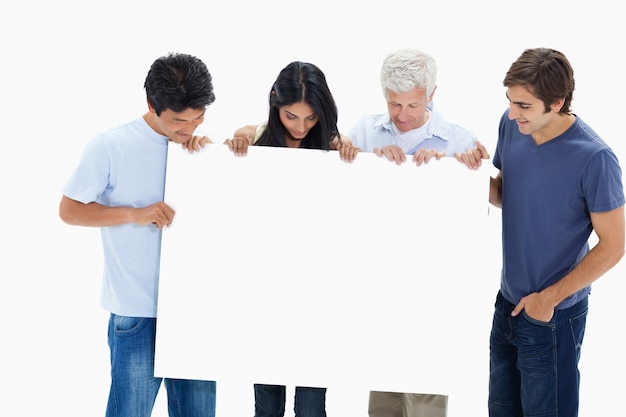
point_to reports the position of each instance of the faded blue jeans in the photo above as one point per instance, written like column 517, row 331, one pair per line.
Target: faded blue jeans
column 133, row 385
column 534, row 364
column 269, row 401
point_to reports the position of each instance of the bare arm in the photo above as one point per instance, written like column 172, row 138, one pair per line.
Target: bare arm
column 609, row 226
column 495, row 190
column 242, row 138
column 246, row 132
column 97, row 215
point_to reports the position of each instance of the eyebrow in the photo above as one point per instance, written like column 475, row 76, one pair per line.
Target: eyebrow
column 519, row 103
column 412, row 103
column 177, row 119
column 295, row 115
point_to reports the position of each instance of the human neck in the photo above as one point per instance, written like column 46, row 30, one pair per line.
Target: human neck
column 559, row 125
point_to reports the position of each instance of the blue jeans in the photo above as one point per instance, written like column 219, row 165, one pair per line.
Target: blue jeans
column 269, row 401
column 534, row 364
column 133, row 385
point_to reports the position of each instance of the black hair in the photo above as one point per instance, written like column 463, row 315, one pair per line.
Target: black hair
column 179, row 82
column 301, row 82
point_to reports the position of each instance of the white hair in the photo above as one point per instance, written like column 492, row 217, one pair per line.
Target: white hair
column 407, row 69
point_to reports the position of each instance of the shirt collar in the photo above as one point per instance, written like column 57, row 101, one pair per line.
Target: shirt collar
column 436, row 126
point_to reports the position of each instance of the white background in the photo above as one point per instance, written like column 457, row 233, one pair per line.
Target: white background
column 71, row 70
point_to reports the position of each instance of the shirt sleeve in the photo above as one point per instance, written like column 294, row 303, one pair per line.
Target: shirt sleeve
column 91, row 176
column 602, row 182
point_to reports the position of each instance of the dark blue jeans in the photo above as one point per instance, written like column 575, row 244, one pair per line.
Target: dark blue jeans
column 534, row 364
column 269, row 401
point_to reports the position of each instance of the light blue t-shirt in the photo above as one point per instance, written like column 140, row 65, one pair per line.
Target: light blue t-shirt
column 125, row 166
column 548, row 191
column 376, row 131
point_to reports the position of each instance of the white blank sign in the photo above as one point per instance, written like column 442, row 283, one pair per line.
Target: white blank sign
column 289, row 266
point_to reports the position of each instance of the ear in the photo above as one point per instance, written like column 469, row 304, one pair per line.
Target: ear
column 432, row 94
column 557, row 105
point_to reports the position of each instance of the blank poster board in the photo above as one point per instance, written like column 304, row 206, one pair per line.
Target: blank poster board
column 292, row 267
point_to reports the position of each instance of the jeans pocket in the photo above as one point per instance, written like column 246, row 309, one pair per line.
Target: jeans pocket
column 535, row 321
column 128, row 326
column 577, row 326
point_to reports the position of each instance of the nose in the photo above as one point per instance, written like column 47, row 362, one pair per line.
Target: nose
column 190, row 126
column 513, row 114
column 403, row 114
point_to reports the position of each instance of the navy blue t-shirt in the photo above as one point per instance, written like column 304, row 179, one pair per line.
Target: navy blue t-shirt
column 548, row 193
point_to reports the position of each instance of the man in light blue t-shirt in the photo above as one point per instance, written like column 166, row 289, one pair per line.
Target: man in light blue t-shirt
column 119, row 186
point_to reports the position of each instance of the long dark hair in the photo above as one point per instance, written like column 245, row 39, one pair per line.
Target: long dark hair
column 301, row 82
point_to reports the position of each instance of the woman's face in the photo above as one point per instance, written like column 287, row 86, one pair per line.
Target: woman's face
column 298, row 119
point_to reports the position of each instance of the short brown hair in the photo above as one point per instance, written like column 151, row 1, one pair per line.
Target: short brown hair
column 546, row 73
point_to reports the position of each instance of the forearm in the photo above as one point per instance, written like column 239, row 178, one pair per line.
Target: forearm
column 495, row 191
column 596, row 263
column 247, row 132
column 93, row 214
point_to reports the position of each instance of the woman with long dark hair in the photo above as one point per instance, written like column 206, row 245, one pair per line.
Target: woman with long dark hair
column 302, row 114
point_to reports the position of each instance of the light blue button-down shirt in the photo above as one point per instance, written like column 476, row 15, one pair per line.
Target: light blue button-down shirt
column 377, row 130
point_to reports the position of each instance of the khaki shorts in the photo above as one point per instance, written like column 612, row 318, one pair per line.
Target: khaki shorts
column 403, row 404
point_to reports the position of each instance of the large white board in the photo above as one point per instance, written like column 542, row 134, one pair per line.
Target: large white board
column 289, row 266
